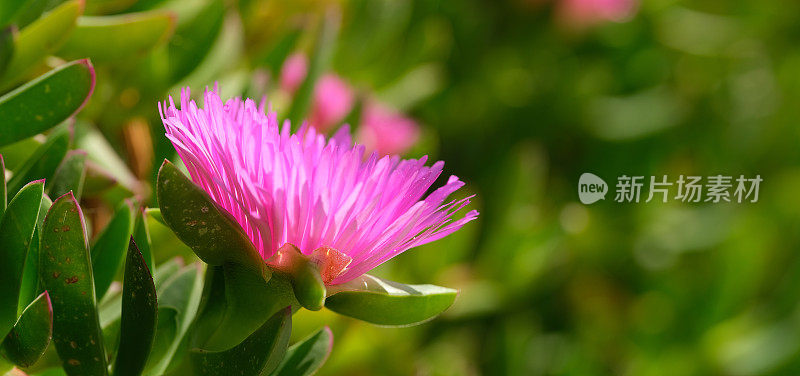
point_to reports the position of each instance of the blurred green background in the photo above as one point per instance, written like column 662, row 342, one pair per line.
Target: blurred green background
column 521, row 97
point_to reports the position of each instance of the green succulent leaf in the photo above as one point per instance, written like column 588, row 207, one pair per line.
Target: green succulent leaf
column 261, row 352
column 108, row 250
column 69, row 176
column 46, row 101
column 155, row 213
column 66, row 273
column 16, row 232
column 141, row 234
column 208, row 229
column 31, row 335
column 306, row 356
column 42, row 164
column 30, row 278
column 6, row 46
column 41, row 38
column 181, row 292
column 389, row 303
column 166, row 330
column 109, row 38
column 139, row 310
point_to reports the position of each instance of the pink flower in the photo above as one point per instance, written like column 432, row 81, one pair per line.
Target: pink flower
column 385, row 130
column 293, row 72
column 333, row 99
column 303, row 189
column 581, row 13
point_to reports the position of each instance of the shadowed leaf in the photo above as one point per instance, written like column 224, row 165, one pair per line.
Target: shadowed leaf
column 31, row 334
column 306, row 356
column 16, row 231
column 108, row 250
column 138, row 322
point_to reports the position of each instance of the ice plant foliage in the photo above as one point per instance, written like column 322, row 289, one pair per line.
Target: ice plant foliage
column 304, row 189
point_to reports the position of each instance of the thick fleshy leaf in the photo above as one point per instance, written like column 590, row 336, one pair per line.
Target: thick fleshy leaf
column 138, row 323
column 166, row 270
column 107, row 6
column 31, row 334
column 306, row 356
column 320, row 59
column 66, row 273
column 211, row 232
column 103, row 158
column 42, row 164
column 109, row 38
column 182, row 293
column 141, row 234
column 16, row 231
column 383, row 302
column 108, row 250
column 31, row 288
column 41, row 38
column 236, row 302
column 69, row 176
column 166, row 330
column 6, row 46
column 45, row 102
column 260, row 353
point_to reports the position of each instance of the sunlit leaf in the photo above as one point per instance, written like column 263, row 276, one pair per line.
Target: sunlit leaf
column 384, row 302
column 211, row 232
column 66, row 273
column 141, row 234
column 26, row 343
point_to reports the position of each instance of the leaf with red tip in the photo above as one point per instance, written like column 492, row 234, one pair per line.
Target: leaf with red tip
column 26, row 343
column 138, row 322
column 66, row 273
column 16, row 232
column 46, row 101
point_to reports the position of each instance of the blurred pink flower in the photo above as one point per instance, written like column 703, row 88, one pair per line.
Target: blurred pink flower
column 333, row 100
column 581, row 13
column 318, row 194
column 294, row 71
column 385, row 130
